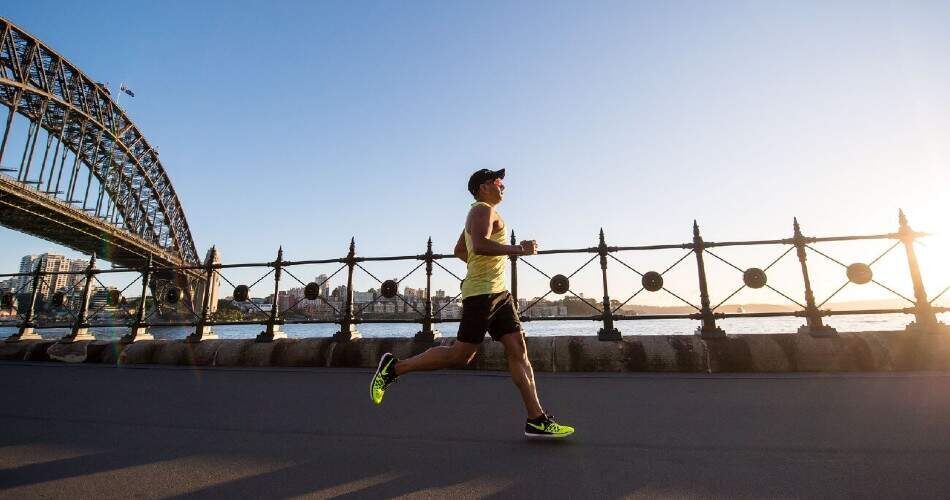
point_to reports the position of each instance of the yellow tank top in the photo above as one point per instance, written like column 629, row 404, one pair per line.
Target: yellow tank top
column 486, row 273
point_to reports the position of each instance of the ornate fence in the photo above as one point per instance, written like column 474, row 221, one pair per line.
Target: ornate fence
column 82, row 313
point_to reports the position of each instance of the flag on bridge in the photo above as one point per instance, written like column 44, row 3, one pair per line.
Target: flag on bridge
column 125, row 88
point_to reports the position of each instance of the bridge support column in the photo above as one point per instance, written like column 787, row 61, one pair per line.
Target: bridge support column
column 27, row 329
column 81, row 327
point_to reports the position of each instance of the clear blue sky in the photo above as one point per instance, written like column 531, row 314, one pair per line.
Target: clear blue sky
column 304, row 123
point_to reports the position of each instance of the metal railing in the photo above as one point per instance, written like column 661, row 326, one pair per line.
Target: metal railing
column 348, row 316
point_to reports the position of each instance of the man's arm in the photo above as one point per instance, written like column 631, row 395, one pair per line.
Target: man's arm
column 479, row 227
column 460, row 251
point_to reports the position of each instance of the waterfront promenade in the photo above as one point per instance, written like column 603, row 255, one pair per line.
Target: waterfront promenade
column 84, row 431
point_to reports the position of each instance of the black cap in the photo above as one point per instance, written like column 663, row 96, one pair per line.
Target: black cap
column 482, row 176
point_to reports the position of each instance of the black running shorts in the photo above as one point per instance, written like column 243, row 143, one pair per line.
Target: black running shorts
column 494, row 312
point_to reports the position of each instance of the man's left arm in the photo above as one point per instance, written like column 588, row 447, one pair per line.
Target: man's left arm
column 460, row 251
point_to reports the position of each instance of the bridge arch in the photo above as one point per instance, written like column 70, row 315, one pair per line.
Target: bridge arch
column 80, row 143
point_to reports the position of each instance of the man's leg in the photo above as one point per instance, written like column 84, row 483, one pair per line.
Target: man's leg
column 436, row 358
column 521, row 372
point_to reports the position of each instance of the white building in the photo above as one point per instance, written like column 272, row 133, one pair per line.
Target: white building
column 50, row 283
column 324, row 283
column 27, row 265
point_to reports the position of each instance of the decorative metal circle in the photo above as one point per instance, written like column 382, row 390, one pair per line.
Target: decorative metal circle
column 59, row 299
column 754, row 278
column 560, row 284
column 311, row 291
column 652, row 281
column 241, row 293
column 114, row 298
column 173, row 295
column 6, row 301
column 859, row 273
column 389, row 289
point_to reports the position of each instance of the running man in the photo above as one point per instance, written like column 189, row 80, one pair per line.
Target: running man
column 486, row 306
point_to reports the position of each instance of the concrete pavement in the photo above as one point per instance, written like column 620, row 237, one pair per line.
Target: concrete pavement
column 85, row 431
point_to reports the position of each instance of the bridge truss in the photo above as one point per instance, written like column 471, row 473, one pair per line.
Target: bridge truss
column 82, row 175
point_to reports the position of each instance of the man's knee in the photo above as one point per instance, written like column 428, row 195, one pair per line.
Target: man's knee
column 516, row 352
column 463, row 354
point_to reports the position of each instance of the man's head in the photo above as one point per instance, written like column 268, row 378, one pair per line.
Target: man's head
column 485, row 185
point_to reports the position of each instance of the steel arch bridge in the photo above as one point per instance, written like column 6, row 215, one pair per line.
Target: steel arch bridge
column 75, row 170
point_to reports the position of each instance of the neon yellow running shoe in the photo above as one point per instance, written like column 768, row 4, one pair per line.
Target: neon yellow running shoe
column 384, row 377
column 544, row 427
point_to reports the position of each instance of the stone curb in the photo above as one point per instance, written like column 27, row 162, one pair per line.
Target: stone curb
column 845, row 352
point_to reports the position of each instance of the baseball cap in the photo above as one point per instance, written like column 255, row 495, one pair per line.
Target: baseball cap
column 483, row 175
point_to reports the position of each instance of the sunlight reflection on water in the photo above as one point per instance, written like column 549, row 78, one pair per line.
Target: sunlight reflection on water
column 854, row 323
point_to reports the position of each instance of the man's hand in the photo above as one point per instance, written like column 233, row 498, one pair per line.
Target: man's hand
column 529, row 247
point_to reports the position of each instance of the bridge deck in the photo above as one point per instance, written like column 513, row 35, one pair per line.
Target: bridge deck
column 27, row 210
column 79, row 431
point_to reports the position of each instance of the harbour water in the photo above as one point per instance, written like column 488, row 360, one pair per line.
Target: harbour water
column 855, row 323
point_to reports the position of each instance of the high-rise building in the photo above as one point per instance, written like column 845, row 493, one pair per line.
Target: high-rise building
column 27, row 266
column 55, row 279
column 285, row 299
column 324, row 283
column 76, row 266
column 53, row 265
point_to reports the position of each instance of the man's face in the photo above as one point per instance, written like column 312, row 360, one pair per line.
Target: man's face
column 493, row 191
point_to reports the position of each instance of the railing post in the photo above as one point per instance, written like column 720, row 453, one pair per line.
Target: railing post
column 203, row 330
column 925, row 320
column 80, row 329
column 347, row 321
column 140, row 327
column 428, row 334
column 608, row 332
column 514, row 273
column 273, row 324
column 813, row 324
column 27, row 329
column 708, row 329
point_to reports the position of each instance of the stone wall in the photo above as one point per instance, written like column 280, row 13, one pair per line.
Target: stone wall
column 865, row 351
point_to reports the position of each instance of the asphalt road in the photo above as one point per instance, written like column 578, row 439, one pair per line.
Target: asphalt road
column 105, row 432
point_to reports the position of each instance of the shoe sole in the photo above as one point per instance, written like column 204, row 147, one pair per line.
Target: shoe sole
column 379, row 367
column 546, row 436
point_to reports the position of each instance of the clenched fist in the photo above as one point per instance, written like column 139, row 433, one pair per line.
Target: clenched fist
column 529, row 247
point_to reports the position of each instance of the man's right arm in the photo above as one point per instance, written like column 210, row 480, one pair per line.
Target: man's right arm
column 479, row 227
